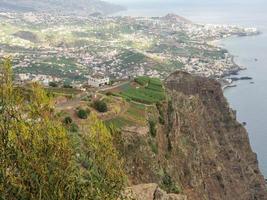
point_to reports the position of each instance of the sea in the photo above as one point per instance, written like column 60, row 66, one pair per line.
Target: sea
column 249, row 97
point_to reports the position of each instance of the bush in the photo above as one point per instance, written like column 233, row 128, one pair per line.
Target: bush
column 101, row 106
column 169, row 185
column 152, row 127
column 67, row 86
column 109, row 93
column 46, row 165
column 67, row 120
column 74, row 128
column 82, row 114
column 161, row 113
column 154, row 147
column 53, row 84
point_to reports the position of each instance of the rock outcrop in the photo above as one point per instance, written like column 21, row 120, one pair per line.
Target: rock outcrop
column 151, row 192
column 200, row 150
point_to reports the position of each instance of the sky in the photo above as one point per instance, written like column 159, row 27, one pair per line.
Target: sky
column 186, row 2
column 210, row 11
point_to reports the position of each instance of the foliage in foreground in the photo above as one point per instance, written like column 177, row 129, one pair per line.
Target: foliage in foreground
column 39, row 159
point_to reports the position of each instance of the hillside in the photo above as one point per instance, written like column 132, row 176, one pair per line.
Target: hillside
column 172, row 140
column 78, row 7
column 200, row 150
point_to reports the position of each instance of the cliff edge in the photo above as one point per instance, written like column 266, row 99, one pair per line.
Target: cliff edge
column 199, row 149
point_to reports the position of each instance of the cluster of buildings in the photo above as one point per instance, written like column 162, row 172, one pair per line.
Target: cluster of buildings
column 78, row 48
column 41, row 78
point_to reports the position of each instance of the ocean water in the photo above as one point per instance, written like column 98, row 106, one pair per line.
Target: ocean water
column 250, row 100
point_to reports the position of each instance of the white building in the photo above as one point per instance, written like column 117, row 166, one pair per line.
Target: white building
column 98, row 80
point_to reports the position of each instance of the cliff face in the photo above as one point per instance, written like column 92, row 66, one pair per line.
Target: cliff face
column 200, row 150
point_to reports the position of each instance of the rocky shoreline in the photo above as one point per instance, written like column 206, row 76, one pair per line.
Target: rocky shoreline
column 227, row 81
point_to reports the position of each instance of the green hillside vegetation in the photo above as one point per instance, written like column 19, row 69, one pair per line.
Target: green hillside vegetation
column 142, row 94
column 40, row 159
column 135, row 115
column 145, row 90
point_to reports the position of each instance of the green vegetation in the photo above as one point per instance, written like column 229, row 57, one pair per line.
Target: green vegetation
column 53, row 84
column 130, row 57
column 135, row 115
column 152, row 127
column 161, row 113
column 40, row 159
column 74, row 128
column 70, row 125
column 68, row 92
column 169, row 185
column 100, row 106
column 119, row 122
column 67, row 120
column 153, row 146
column 148, row 91
column 82, row 114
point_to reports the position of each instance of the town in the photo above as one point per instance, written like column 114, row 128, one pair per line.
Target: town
column 71, row 50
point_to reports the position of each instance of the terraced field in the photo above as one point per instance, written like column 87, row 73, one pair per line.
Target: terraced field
column 145, row 90
column 135, row 115
column 142, row 94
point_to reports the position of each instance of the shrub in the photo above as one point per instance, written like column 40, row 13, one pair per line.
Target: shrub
column 67, row 120
column 74, row 128
column 39, row 158
column 161, row 120
column 82, row 114
column 169, row 185
column 161, row 113
column 109, row 93
column 154, row 147
column 53, row 84
column 152, row 127
column 100, row 106
column 67, row 86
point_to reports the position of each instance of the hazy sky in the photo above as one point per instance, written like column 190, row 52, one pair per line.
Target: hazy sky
column 212, row 11
column 145, row 2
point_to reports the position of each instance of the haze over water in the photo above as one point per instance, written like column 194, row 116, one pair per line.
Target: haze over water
column 250, row 100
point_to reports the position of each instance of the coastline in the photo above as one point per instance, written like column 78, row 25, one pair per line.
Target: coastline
column 226, row 80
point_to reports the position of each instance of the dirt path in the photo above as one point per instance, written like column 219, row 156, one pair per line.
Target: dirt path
column 113, row 87
column 70, row 103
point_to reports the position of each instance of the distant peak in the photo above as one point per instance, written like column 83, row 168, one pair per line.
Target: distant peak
column 176, row 18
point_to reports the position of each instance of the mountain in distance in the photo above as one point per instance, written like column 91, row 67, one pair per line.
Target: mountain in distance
column 78, row 7
column 176, row 18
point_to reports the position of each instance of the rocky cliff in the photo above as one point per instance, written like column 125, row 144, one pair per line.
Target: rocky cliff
column 199, row 150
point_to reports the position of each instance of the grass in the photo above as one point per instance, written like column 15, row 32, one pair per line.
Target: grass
column 141, row 94
column 63, row 91
column 119, row 122
column 129, row 57
column 149, row 91
column 135, row 115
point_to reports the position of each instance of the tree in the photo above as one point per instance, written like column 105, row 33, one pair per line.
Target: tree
column 53, row 84
column 39, row 158
column 82, row 114
column 36, row 159
column 74, row 128
column 68, row 120
column 100, row 106
column 67, row 86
